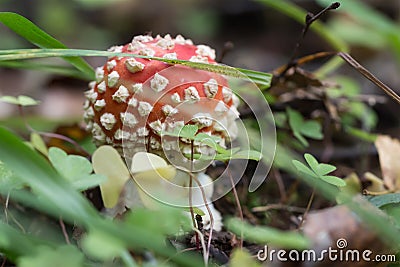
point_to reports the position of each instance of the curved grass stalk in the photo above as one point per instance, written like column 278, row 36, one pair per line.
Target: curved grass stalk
column 262, row 79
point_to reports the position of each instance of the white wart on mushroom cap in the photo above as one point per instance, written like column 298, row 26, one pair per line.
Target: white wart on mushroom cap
column 134, row 99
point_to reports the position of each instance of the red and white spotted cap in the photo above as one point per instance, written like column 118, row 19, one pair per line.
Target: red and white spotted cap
column 134, row 99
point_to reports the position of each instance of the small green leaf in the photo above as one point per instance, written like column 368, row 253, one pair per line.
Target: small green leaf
column 312, row 162
column 323, row 168
column 9, row 99
column 333, row 180
column 20, row 100
column 76, row 169
column 295, row 120
column 27, row 101
column 242, row 258
column 189, row 131
column 303, row 168
column 39, row 144
column 300, row 127
column 312, row 129
column 299, row 137
column 247, row 154
column 209, row 140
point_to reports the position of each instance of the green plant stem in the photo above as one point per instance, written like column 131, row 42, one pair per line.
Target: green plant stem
column 238, row 204
column 298, row 14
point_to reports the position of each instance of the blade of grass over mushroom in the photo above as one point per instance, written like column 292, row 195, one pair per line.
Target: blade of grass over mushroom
column 299, row 15
column 32, row 33
column 261, row 78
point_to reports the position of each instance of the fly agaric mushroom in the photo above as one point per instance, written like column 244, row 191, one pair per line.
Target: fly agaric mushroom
column 134, row 100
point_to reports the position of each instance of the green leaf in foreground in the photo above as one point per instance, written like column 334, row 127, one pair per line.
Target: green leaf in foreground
column 32, row 33
column 385, row 199
column 33, row 170
column 54, row 196
column 63, row 256
column 267, row 235
column 76, row 169
column 318, row 170
column 21, row 100
column 240, row 258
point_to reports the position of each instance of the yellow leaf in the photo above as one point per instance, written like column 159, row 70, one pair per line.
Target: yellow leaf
column 108, row 162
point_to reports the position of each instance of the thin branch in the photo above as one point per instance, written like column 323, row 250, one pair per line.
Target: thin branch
column 64, row 231
column 308, row 208
column 238, row 204
column 352, row 62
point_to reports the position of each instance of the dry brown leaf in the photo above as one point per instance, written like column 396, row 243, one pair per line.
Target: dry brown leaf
column 389, row 155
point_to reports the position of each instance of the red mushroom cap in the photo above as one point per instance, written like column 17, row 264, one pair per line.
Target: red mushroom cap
column 134, row 99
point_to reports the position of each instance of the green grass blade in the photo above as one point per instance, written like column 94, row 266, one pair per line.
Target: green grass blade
column 263, row 79
column 32, row 33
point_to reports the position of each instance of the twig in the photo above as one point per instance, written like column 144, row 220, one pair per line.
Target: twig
column 203, row 194
column 308, row 208
column 352, row 62
column 310, row 18
column 203, row 244
column 278, row 207
column 281, row 186
column 64, row 231
column 237, row 204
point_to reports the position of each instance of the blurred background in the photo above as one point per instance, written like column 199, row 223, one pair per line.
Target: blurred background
column 258, row 36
